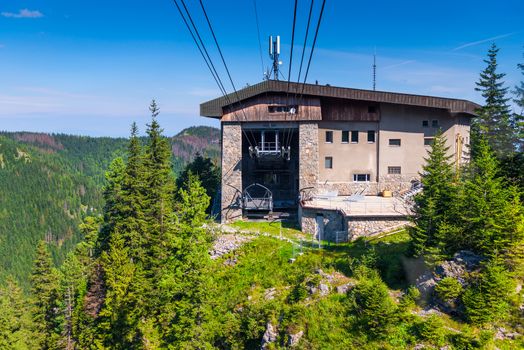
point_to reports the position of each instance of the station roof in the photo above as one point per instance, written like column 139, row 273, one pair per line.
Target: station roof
column 214, row 108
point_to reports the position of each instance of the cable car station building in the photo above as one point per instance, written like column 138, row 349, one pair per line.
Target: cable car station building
column 326, row 154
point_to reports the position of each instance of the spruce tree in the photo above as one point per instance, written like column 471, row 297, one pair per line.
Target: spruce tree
column 488, row 299
column 492, row 218
column 519, row 117
column 435, row 206
column 495, row 121
column 45, row 295
column 186, row 278
column 16, row 324
column 207, row 172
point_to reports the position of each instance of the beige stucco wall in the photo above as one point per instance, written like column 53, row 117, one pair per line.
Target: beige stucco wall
column 348, row 158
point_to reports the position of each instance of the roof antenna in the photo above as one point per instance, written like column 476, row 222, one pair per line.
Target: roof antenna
column 375, row 69
column 274, row 53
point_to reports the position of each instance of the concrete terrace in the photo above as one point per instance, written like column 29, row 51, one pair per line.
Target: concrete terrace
column 361, row 206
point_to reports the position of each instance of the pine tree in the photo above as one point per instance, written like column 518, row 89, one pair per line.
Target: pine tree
column 488, row 299
column 519, row 117
column 186, row 275
column 45, row 295
column 493, row 215
column 495, row 121
column 435, row 206
column 207, row 172
column 15, row 319
column 160, row 185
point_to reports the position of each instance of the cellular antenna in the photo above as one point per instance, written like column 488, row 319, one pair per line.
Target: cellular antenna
column 274, row 53
column 375, row 69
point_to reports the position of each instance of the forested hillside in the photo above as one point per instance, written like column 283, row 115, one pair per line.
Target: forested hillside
column 48, row 183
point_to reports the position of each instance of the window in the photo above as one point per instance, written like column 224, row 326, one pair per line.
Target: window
column 394, row 142
column 434, row 123
column 329, row 136
column 345, row 136
column 372, row 109
column 371, row 136
column 428, row 141
column 361, row 177
column 425, row 123
column 328, row 162
column 283, row 109
column 394, row 170
column 354, row 136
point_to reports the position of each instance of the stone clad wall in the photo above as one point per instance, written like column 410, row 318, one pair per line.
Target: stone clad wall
column 352, row 227
column 370, row 226
column 308, row 155
column 231, row 172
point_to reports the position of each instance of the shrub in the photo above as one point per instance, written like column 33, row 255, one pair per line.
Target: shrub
column 448, row 289
column 373, row 305
column 432, row 330
column 487, row 300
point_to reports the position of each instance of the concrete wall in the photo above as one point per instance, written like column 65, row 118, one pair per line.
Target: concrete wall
column 231, row 172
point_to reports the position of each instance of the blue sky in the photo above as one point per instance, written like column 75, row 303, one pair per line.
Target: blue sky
column 92, row 67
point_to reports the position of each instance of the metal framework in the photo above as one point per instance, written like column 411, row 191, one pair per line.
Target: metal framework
column 253, row 202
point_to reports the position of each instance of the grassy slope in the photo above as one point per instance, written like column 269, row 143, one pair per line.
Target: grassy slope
column 241, row 311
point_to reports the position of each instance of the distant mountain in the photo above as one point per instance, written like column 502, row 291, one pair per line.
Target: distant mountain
column 48, row 183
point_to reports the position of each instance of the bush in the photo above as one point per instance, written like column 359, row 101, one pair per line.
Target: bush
column 432, row 330
column 373, row 305
column 487, row 300
column 448, row 289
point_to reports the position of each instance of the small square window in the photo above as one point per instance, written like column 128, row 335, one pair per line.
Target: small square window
column 371, row 136
column 361, row 177
column 328, row 162
column 394, row 142
column 425, row 123
column 394, row 170
column 428, row 141
column 434, row 123
column 329, row 136
column 354, row 136
column 345, row 136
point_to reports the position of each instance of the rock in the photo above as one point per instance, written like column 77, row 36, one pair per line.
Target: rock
column 294, row 339
column 270, row 336
column 270, row 294
column 463, row 262
column 343, row 289
column 502, row 333
column 324, row 289
column 227, row 243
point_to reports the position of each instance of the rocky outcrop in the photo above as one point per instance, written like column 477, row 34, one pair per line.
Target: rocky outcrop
column 463, row 262
column 269, row 337
column 294, row 339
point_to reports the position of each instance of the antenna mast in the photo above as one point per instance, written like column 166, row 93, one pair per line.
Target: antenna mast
column 274, row 53
column 374, row 69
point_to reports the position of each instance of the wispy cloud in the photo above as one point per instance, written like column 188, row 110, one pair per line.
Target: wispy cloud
column 23, row 13
column 399, row 64
column 473, row 43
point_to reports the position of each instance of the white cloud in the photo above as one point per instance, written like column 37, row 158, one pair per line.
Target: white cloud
column 473, row 43
column 23, row 13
